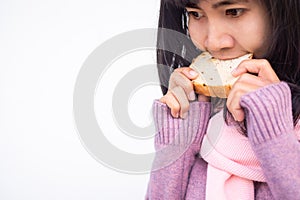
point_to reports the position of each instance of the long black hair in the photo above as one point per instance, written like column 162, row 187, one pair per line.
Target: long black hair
column 283, row 54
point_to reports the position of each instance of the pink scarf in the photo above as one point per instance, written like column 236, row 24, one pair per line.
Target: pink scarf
column 232, row 164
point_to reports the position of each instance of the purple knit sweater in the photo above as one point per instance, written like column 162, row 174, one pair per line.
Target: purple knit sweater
column 178, row 171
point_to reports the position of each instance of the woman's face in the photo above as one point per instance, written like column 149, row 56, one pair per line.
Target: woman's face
column 229, row 28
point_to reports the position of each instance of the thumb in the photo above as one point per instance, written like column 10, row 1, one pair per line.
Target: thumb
column 188, row 72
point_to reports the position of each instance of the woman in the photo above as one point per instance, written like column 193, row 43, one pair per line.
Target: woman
column 261, row 112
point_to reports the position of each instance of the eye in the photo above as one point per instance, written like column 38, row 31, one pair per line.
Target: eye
column 194, row 14
column 235, row 12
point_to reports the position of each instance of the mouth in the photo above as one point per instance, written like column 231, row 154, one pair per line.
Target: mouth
column 227, row 56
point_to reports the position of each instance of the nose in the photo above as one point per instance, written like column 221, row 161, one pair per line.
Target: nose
column 218, row 38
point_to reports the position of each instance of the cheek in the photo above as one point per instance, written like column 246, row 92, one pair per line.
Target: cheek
column 197, row 35
column 265, row 35
column 254, row 37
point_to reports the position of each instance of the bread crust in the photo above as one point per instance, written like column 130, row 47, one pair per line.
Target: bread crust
column 215, row 79
column 212, row 91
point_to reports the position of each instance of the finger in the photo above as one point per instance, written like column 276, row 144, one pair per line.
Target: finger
column 170, row 100
column 261, row 67
column 178, row 79
column 238, row 114
column 250, row 82
column 234, row 107
column 188, row 72
column 242, row 86
column 252, row 66
column 182, row 99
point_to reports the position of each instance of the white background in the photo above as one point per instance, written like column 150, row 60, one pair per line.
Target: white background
column 43, row 45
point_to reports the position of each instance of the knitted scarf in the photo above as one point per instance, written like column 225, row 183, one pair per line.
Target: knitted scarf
column 232, row 164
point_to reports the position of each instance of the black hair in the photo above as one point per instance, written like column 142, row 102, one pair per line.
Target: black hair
column 283, row 54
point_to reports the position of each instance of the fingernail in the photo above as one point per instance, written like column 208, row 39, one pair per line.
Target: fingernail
column 184, row 115
column 193, row 73
column 234, row 119
column 233, row 72
column 192, row 96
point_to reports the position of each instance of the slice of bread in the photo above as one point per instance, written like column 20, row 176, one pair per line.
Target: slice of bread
column 215, row 77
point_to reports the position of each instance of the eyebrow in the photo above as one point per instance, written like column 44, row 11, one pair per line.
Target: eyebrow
column 228, row 2
column 218, row 4
column 192, row 5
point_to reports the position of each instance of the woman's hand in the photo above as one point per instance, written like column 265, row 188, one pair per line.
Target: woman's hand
column 181, row 91
column 247, row 82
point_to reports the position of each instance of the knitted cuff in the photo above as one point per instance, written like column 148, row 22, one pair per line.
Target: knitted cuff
column 268, row 112
column 178, row 138
column 177, row 131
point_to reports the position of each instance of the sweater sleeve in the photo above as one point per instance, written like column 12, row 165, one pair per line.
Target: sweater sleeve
column 273, row 137
column 177, row 142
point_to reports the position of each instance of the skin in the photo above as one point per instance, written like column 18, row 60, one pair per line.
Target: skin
column 227, row 29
